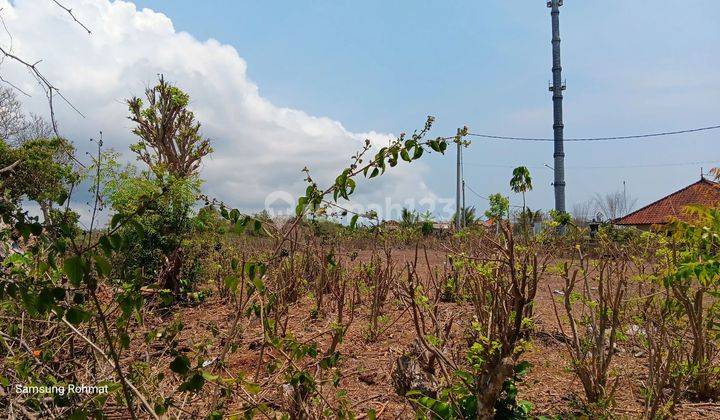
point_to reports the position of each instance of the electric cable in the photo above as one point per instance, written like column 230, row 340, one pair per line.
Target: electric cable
column 580, row 139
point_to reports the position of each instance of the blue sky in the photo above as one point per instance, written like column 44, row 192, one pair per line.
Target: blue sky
column 279, row 85
column 631, row 67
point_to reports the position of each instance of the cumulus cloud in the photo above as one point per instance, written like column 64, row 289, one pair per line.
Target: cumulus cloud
column 259, row 147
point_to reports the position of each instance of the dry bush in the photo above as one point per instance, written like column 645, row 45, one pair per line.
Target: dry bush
column 501, row 279
column 595, row 306
column 379, row 276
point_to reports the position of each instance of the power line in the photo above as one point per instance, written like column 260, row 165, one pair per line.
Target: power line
column 474, row 192
column 650, row 165
column 485, row 198
column 461, row 163
column 637, row 136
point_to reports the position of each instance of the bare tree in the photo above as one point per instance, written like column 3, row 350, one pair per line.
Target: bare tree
column 582, row 211
column 15, row 126
column 170, row 137
column 51, row 92
column 12, row 118
column 615, row 204
column 36, row 127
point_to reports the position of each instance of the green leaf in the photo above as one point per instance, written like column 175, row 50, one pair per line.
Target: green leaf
column 525, row 406
column 58, row 293
column 251, row 387
column 76, row 315
column 330, row 361
column 61, row 198
column 194, row 384
column 124, row 341
column 138, row 227
column 302, row 202
column 102, row 265
column 35, row 229
column 241, row 224
column 73, row 269
column 208, row 376
column 259, row 284
column 522, row 368
column 160, row 408
column 115, row 241
column 353, row 221
column 234, row 215
column 115, row 220
column 44, row 301
column 180, row 365
column 105, row 245
column 231, row 282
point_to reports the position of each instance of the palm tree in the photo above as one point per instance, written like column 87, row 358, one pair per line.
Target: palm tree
column 408, row 218
column 529, row 217
column 521, row 182
column 468, row 216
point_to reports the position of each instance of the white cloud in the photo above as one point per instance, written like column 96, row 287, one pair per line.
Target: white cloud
column 259, row 147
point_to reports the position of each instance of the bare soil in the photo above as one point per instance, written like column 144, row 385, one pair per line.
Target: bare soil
column 366, row 366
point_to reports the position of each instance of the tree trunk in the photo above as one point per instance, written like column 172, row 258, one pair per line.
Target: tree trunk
column 170, row 274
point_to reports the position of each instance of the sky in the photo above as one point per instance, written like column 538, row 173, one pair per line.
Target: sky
column 282, row 85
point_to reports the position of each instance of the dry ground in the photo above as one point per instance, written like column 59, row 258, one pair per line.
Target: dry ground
column 366, row 366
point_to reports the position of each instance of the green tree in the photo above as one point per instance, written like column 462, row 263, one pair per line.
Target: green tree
column 38, row 170
column 409, row 218
column 499, row 207
column 521, row 182
column 172, row 147
column 468, row 216
column 156, row 240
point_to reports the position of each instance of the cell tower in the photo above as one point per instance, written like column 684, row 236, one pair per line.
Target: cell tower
column 557, row 87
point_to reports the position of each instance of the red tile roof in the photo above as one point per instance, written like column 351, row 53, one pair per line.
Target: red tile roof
column 664, row 210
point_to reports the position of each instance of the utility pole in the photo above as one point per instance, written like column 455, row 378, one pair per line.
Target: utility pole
column 464, row 222
column 557, row 89
column 458, row 187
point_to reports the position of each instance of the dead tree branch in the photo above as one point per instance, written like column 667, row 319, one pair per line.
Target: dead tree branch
column 72, row 15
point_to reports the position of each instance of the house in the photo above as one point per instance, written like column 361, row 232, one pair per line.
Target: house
column 661, row 212
column 442, row 226
column 390, row 225
column 492, row 225
column 442, row 229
